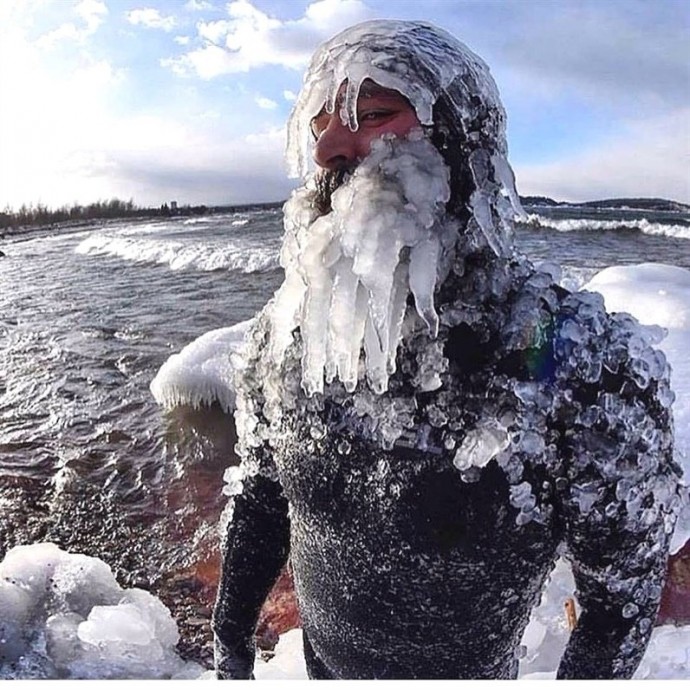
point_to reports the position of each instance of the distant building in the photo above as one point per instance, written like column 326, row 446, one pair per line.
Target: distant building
column 173, row 206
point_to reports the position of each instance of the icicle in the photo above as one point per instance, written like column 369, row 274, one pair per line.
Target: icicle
column 423, row 273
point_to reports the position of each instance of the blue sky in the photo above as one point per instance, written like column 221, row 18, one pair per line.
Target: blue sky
column 187, row 99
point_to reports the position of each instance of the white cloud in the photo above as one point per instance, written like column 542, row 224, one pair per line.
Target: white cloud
column 252, row 38
column 650, row 159
column 265, row 103
column 198, row 5
column 207, row 63
column 182, row 40
column 151, row 18
column 65, row 32
column 289, row 95
column 90, row 12
column 214, row 32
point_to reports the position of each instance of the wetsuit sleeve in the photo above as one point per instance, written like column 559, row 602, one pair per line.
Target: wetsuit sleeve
column 619, row 497
column 254, row 550
column 619, row 576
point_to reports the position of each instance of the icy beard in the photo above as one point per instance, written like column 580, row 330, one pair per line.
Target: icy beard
column 348, row 272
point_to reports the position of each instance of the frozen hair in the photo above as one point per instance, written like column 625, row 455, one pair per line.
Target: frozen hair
column 452, row 92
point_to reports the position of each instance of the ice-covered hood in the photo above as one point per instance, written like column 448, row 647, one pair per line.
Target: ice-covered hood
column 448, row 85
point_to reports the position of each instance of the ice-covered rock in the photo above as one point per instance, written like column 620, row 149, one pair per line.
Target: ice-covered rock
column 65, row 616
column 202, row 373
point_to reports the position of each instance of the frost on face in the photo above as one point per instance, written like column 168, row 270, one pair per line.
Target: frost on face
column 430, row 68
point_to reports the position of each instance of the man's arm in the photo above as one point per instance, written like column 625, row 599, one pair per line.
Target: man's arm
column 255, row 549
column 619, row 579
column 619, row 495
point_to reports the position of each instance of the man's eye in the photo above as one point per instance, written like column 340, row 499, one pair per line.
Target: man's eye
column 374, row 115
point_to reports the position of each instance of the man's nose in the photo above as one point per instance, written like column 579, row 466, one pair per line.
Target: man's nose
column 337, row 146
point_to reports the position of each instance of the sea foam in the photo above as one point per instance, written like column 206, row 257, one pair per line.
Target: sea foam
column 178, row 255
column 586, row 224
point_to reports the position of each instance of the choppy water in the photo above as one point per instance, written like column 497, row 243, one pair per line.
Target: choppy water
column 88, row 315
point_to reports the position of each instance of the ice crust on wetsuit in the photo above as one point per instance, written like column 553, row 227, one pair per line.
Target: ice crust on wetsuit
column 422, row 511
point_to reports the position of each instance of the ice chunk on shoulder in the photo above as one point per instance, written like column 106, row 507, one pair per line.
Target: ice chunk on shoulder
column 480, row 446
column 203, row 372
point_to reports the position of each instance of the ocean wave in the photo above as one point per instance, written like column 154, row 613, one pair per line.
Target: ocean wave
column 196, row 220
column 635, row 224
column 182, row 256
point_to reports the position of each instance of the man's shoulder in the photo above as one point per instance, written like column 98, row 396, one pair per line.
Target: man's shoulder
column 569, row 338
column 611, row 350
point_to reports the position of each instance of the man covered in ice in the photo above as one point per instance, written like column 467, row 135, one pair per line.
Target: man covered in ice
column 425, row 420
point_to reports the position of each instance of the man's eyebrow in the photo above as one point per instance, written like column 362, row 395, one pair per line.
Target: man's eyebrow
column 369, row 89
column 372, row 90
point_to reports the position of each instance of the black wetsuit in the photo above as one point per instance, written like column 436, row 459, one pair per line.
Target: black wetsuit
column 406, row 566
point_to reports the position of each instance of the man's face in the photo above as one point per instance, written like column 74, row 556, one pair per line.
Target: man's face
column 379, row 111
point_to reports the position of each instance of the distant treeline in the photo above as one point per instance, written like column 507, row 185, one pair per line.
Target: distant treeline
column 41, row 215
column 645, row 204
